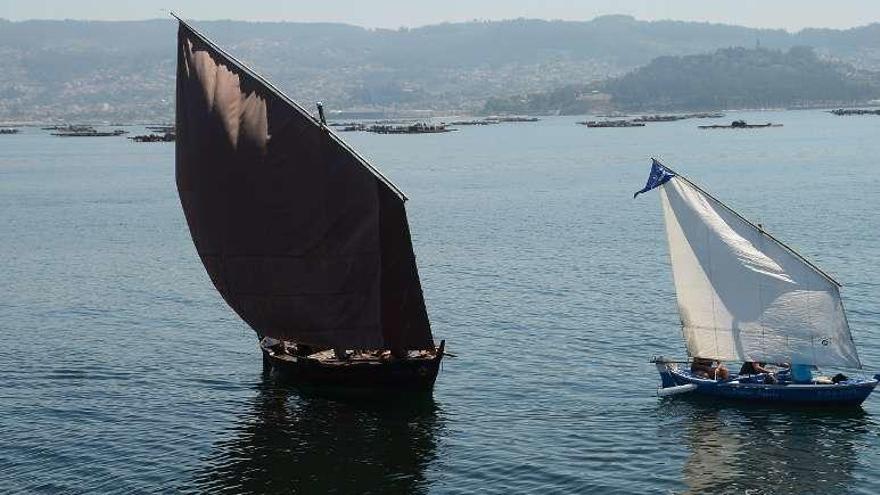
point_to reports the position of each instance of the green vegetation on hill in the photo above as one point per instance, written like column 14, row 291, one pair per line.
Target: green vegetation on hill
column 727, row 78
column 567, row 100
column 124, row 71
column 740, row 78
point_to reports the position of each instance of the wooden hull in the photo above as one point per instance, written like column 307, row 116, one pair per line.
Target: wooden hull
column 404, row 376
column 850, row 393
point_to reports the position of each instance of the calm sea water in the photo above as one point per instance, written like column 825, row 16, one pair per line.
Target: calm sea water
column 122, row 370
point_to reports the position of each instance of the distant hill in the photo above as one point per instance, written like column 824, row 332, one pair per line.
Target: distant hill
column 82, row 70
column 741, row 78
column 724, row 79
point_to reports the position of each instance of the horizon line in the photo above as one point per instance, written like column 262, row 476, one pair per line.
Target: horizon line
column 441, row 23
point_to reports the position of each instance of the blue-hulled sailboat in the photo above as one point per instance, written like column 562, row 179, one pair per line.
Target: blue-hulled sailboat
column 743, row 295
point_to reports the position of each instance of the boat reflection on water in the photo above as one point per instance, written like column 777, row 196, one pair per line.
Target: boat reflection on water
column 298, row 443
column 760, row 450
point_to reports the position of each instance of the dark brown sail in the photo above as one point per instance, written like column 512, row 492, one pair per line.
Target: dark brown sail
column 303, row 238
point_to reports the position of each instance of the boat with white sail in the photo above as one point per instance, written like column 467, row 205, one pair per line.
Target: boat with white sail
column 745, row 296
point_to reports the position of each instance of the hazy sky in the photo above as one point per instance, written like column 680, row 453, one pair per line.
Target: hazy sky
column 788, row 14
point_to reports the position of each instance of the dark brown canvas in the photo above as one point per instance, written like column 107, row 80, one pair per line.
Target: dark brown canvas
column 303, row 239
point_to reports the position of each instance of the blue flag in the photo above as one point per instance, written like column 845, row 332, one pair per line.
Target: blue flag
column 659, row 175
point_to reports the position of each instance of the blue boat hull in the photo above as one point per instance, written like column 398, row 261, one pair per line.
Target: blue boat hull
column 844, row 394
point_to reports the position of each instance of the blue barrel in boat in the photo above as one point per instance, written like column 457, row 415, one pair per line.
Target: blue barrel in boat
column 801, row 373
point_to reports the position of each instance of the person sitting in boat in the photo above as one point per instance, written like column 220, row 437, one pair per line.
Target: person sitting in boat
column 304, row 350
column 273, row 344
column 709, row 368
column 756, row 368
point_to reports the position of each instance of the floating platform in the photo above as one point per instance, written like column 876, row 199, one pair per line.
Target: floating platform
column 419, row 128
column 167, row 137
column 165, row 128
column 517, row 119
column 612, row 123
column 90, row 133
column 739, row 124
column 353, row 128
column 676, row 117
column 486, row 121
column 840, row 112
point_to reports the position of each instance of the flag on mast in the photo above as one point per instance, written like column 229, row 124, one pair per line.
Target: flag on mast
column 659, row 175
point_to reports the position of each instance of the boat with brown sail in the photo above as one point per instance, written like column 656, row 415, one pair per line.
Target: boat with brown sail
column 302, row 237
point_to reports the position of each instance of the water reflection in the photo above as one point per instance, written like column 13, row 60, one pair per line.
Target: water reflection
column 296, row 443
column 758, row 450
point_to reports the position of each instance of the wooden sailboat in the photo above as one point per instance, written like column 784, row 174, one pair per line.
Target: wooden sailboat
column 304, row 239
column 745, row 296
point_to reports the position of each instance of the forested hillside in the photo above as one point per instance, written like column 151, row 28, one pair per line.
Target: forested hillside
column 124, row 70
column 724, row 79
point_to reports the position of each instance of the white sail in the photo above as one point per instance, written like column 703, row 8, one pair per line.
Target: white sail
column 742, row 295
